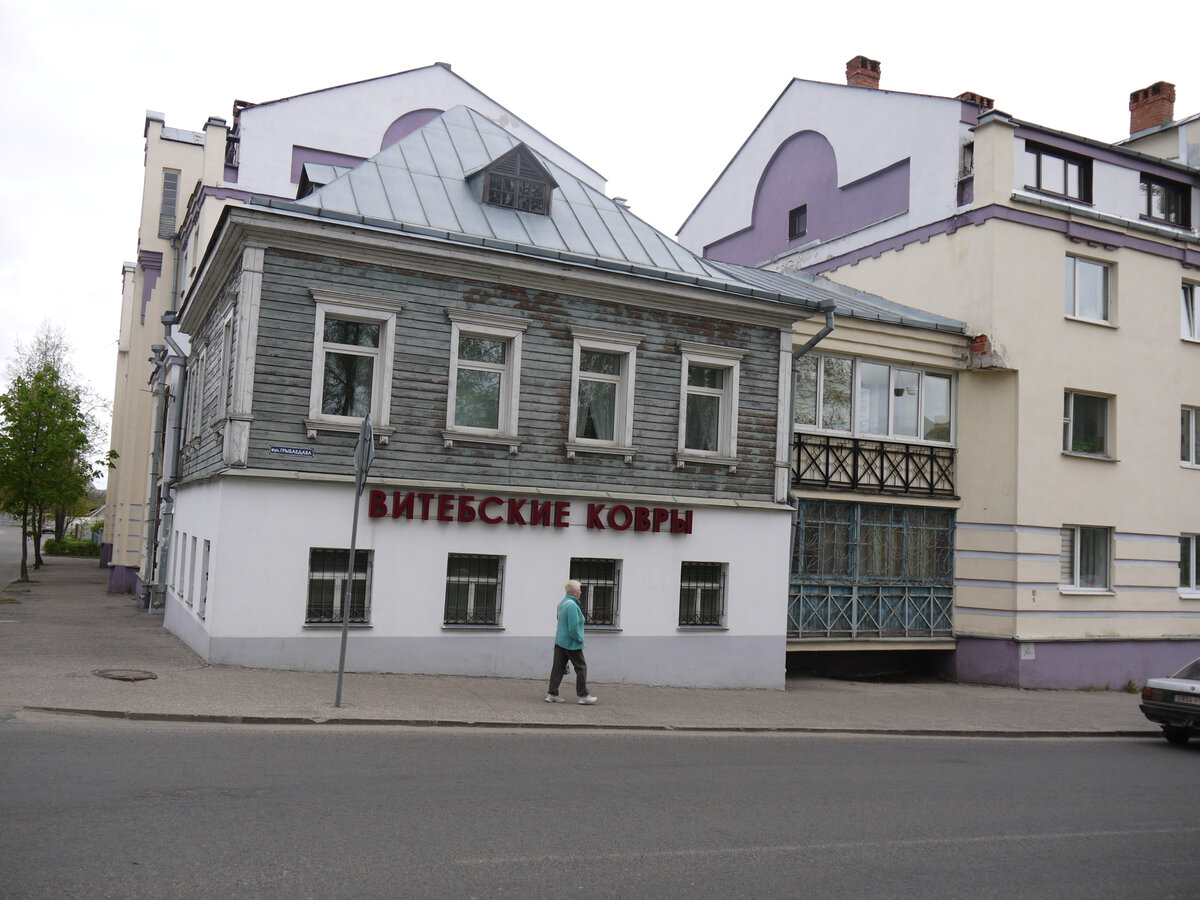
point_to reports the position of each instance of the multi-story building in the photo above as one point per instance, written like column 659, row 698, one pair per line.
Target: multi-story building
column 189, row 177
column 1075, row 266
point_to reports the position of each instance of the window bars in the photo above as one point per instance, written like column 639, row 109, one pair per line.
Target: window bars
column 474, row 584
column 326, row 586
column 600, row 581
column 702, row 594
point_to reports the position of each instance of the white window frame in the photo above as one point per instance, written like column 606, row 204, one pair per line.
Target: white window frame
column 489, row 326
column 855, row 393
column 370, row 311
column 1069, row 417
column 1073, row 586
column 226, row 367
column 1189, row 311
column 719, row 582
column 1189, row 436
column 472, row 582
column 195, row 396
column 718, row 358
column 337, row 575
column 1072, row 311
column 1189, row 545
column 625, row 346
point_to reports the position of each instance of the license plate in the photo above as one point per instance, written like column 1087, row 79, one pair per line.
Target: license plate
column 1190, row 699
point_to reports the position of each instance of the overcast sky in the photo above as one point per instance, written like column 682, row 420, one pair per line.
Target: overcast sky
column 656, row 97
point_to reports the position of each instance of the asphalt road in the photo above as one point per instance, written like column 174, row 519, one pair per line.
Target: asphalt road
column 117, row 809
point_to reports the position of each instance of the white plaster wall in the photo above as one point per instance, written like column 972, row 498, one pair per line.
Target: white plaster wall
column 924, row 129
column 353, row 118
column 262, row 530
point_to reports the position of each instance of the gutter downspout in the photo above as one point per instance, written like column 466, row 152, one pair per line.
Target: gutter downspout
column 828, row 307
column 155, row 589
column 159, row 362
column 172, row 464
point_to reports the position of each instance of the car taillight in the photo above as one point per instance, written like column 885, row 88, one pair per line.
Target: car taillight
column 1154, row 694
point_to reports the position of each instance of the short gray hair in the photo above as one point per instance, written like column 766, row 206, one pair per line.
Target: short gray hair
column 573, row 585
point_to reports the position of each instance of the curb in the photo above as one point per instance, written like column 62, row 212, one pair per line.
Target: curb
column 219, row 719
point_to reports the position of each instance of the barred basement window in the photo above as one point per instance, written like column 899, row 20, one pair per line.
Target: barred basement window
column 601, row 581
column 702, row 593
column 327, row 570
column 474, row 584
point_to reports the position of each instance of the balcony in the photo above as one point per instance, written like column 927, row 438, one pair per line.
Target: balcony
column 881, row 467
column 850, row 612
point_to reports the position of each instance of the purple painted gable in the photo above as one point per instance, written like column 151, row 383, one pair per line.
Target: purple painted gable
column 803, row 172
column 407, row 124
column 302, row 155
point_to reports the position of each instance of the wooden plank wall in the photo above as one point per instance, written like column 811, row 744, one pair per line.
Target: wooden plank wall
column 283, row 377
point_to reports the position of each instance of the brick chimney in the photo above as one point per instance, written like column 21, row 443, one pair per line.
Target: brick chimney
column 978, row 99
column 862, row 72
column 1151, row 106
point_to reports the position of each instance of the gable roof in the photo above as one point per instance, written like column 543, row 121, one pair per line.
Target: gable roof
column 422, row 185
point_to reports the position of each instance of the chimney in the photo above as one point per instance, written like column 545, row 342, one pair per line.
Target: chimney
column 862, row 72
column 1151, row 106
column 979, row 100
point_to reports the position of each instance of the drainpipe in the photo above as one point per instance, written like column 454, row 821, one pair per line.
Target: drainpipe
column 159, row 362
column 828, row 307
column 155, row 589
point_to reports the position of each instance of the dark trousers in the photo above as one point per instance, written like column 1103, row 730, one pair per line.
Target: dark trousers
column 561, row 655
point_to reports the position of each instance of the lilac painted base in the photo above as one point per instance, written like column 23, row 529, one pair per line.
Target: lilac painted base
column 1070, row 665
column 124, row 580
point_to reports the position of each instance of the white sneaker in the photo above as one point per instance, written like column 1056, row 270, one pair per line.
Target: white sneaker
column 588, row 698
column 554, row 698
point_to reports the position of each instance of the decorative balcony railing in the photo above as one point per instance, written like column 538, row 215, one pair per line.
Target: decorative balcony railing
column 885, row 467
column 818, row 611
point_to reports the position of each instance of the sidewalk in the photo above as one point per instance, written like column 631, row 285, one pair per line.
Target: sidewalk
column 56, row 632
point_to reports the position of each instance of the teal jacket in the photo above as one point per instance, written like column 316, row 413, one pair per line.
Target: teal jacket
column 570, row 624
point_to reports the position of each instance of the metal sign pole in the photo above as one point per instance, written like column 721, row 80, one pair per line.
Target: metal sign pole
column 364, row 455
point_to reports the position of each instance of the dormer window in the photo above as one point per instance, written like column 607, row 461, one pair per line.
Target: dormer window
column 518, row 181
column 1052, row 171
column 1165, row 201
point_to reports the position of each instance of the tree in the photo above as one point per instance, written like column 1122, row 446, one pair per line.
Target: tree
column 44, row 442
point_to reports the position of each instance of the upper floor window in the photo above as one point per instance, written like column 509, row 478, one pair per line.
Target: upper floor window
column 709, row 400
column 1166, row 201
column 1189, row 436
column 169, row 203
column 1084, row 558
column 871, row 398
column 352, row 359
column 798, row 222
column 602, row 382
column 1055, row 172
column 1085, row 424
column 485, row 371
column 518, row 181
column 1087, row 294
column 1189, row 313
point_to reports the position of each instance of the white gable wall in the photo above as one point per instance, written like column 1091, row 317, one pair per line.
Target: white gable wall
column 352, row 119
column 870, row 130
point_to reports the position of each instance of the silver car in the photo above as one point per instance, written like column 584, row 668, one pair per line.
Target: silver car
column 1174, row 703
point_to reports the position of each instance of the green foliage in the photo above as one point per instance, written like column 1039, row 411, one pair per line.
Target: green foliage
column 46, row 435
column 70, row 547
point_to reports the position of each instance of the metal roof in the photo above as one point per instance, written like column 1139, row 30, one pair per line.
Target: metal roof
column 424, row 185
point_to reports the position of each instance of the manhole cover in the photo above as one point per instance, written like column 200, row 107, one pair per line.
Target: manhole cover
column 125, row 674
